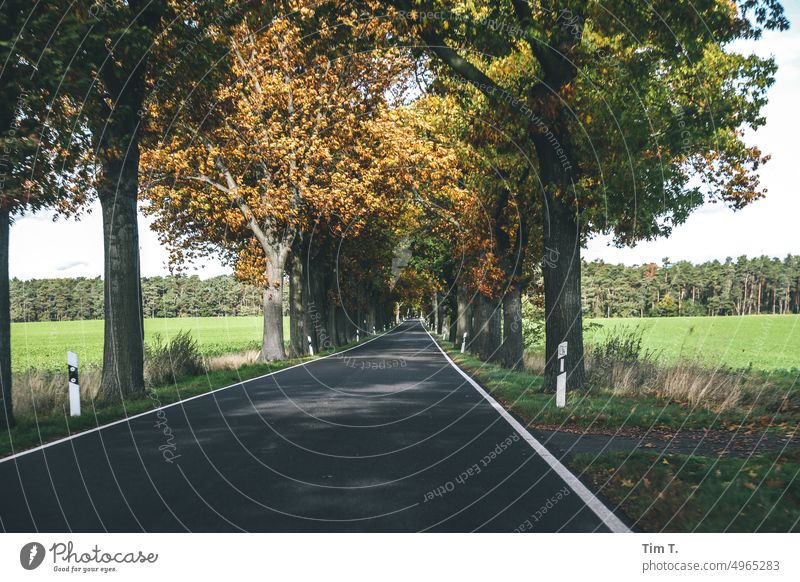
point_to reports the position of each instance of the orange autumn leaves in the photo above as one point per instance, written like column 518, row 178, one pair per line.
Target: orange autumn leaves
column 301, row 130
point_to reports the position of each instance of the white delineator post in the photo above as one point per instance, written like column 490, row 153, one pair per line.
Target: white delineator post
column 464, row 342
column 74, row 386
column 310, row 346
column 561, row 379
column 357, row 340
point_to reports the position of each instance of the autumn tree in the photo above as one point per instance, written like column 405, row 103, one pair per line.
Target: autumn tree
column 620, row 106
column 301, row 131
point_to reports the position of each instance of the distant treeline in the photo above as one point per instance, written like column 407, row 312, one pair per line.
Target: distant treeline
column 81, row 298
column 734, row 287
column 740, row 286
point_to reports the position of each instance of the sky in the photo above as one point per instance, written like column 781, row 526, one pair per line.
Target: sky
column 41, row 248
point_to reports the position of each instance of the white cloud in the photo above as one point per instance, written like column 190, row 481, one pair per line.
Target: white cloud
column 41, row 248
column 71, row 265
column 769, row 226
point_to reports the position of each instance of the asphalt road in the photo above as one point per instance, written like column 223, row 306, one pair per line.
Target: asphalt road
column 388, row 436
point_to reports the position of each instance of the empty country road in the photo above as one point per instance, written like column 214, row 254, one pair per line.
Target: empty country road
column 387, row 436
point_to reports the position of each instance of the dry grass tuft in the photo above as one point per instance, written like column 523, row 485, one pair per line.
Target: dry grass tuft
column 43, row 393
column 534, row 362
column 621, row 364
column 37, row 393
column 231, row 361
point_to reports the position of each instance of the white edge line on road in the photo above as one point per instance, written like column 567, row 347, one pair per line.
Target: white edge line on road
column 607, row 516
column 184, row 400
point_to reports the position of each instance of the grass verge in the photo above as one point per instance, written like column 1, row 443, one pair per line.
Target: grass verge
column 679, row 493
column 656, row 491
column 32, row 431
column 609, row 410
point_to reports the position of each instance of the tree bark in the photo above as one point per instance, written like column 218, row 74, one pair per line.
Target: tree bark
column 562, row 293
column 123, row 344
column 272, row 347
column 340, row 324
column 439, row 314
column 297, row 320
column 513, row 349
column 371, row 322
column 315, row 307
column 463, row 317
column 435, row 312
column 452, row 315
column 6, row 403
column 486, row 329
column 478, row 336
column 492, row 344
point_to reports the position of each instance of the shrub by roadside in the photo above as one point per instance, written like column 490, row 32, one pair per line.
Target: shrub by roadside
column 167, row 362
column 41, row 405
column 44, row 393
column 621, row 364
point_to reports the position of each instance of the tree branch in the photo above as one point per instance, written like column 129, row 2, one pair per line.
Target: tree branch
column 471, row 73
column 209, row 181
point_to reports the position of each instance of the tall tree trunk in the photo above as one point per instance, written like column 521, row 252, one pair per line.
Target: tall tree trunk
column 480, row 322
column 123, row 344
column 297, row 317
column 332, row 327
column 272, row 347
column 452, row 318
column 371, row 323
column 6, row 404
column 758, row 304
column 439, row 314
column 463, row 316
column 513, row 350
column 562, row 293
column 435, row 312
column 486, row 328
column 315, row 307
column 341, row 325
column 493, row 342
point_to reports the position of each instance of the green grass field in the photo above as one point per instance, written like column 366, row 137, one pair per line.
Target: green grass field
column 767, row 342
column 44, row 345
